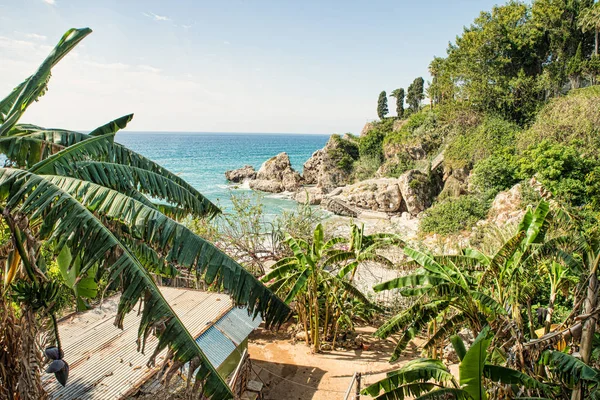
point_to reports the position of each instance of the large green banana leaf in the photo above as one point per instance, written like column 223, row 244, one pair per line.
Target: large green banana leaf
column 180, row 245
column 15, row 104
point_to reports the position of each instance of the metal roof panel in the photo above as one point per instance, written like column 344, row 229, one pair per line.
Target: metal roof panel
column 104, row 361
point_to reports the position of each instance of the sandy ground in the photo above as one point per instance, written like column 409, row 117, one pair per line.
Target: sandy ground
column 290, row 371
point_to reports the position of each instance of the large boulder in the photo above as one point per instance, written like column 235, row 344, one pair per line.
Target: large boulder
column 374, row 194
column 507, row 207
column 338, row 207
column 326, row 167
column 266, row 185
column 418, row 190
column 309, row 195
column 241, row 174
column 277, row 175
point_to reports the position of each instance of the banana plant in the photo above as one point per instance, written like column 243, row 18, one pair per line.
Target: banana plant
column 572, row 372
column 363, row 248
column 428, row 378
column 441, row 289
column 306, row 277
column 83, row 287
column 116, row 213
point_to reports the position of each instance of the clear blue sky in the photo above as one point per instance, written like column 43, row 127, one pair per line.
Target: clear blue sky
column 226, row 65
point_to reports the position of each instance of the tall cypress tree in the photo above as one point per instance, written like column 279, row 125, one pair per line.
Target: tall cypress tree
column 399, row 95
column 382, row 106
column 415, row 94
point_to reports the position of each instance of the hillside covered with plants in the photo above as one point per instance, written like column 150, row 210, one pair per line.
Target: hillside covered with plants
column 515, row 98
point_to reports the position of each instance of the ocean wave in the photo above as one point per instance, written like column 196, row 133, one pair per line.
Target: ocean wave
column 281, row 196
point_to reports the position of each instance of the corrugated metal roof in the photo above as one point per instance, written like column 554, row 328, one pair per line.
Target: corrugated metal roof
column 216, row 346
column 237, row 324
column 221, row 339
column 104, row 361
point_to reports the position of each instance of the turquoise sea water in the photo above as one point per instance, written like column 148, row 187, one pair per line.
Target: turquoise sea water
column 202, row 158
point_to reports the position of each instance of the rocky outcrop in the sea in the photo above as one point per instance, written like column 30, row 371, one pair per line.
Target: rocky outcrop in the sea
column 276, row 175
column 326, row 167
column 241, row 174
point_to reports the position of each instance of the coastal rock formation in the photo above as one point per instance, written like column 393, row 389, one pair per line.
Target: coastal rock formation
column 338, row 207
column 325, row 167
column 456, row 182
column 277, row 175
column 418, row 190
column 368, row 126
column 374, row 194
column 309, row 195
column 507, row 207
column 241, row 174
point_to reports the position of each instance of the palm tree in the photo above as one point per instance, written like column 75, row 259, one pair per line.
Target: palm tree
column 428, row 378
column 86, row 193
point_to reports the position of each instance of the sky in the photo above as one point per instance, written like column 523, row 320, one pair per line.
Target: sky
column 280, row 66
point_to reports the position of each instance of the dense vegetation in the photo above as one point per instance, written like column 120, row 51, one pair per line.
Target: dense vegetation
column 514, row 98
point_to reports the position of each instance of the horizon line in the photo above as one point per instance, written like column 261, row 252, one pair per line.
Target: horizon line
column 231, row 133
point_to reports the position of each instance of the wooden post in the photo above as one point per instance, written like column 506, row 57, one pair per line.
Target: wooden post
column 358, row 386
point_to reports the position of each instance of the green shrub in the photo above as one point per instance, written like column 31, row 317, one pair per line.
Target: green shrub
column 494, row 135
column 495, row 174
column 453, row 215
column 416, row 128
column 371, row 145
column 562, row 170
column 366, row 167
column 398, row 165
column 529, row 196
column 573, row 120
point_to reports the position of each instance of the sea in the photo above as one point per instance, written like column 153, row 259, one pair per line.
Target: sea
column 201, row 158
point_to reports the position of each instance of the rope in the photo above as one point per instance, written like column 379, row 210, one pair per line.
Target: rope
column 298, row 383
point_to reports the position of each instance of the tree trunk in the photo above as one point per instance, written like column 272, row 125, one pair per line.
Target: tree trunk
column 532, row 334
column 548, row 321
column 315, row 316
column 596, row 43
column 587, row 334
column 30, row 382
column 302, row 314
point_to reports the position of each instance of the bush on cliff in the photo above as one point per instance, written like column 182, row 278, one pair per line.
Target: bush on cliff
column 345, row 153
column 563, row 171
column 493, row 135
column 370, row 145
column 453, row 215
column 573, row 120
column 495, row 174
